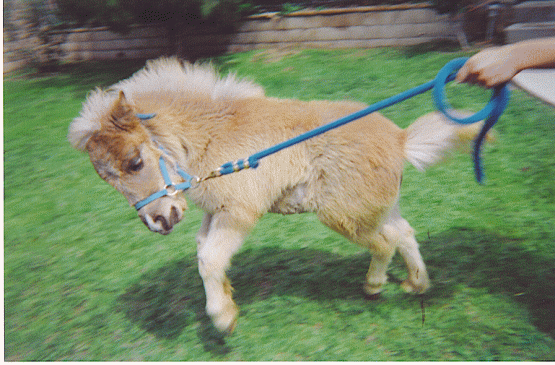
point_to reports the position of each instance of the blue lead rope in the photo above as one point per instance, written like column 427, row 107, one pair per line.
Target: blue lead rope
column 252, row 161
column 491, row 111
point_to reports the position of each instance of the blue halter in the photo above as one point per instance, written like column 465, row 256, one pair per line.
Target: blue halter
column 170, row 189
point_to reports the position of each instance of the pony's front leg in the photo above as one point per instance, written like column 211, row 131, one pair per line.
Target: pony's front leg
column 203, row 231
column 224, row 237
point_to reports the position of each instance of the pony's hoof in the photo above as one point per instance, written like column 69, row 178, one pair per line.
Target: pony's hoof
column 415, row 288
column 375, row 296
column 231, row 327
column 226, row 322
column 372, row 291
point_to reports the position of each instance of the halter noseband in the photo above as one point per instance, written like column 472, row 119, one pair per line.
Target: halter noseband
column 170, row 189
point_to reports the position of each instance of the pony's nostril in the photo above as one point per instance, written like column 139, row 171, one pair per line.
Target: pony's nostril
column 163, row 223
column 174, row 216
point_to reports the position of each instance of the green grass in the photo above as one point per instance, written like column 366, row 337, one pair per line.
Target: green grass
column 85, row 280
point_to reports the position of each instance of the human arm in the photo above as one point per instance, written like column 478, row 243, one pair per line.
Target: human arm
column 495, row 66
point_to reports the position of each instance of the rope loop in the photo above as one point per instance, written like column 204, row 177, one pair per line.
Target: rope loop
column 494, row 108
column 490, row 113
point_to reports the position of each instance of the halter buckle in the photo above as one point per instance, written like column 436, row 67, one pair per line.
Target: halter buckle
column 171, row 190
column 195, row 182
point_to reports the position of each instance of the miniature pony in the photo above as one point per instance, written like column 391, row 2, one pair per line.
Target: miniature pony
column 349, row 177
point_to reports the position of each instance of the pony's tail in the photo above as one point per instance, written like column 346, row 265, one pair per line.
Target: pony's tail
column 432, row 137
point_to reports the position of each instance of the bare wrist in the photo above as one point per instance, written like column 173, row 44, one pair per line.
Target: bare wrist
column 518, row 57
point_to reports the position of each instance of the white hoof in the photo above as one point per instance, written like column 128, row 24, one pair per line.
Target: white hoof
column 415, row 288
column 226, row 321
column 372, row 290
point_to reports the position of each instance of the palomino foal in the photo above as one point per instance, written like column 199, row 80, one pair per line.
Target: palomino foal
column 349, row 177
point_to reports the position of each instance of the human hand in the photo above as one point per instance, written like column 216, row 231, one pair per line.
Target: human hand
column 490, row 67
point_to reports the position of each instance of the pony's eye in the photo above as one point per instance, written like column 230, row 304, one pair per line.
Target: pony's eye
column 135, row 164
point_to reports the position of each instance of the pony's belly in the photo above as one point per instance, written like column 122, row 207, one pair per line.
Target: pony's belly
column 292, row 201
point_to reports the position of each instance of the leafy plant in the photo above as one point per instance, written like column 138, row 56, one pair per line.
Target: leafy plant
column 453, row 7
column 173, row 14
column 176, row 16
column 288, row 8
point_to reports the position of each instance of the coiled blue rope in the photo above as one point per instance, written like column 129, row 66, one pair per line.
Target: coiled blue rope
column 491, row 111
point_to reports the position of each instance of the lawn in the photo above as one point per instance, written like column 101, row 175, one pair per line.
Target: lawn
column 85, row 280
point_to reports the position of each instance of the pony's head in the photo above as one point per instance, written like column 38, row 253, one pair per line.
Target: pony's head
column 124, row 148
column 124, row 154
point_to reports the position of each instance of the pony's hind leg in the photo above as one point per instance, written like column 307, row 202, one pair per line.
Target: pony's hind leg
column 378, row 239
column 417, row 280
column 376, row 277
column 395, row 233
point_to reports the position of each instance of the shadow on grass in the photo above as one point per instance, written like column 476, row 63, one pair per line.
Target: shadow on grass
column 441, row 45
column 166, row 301
column 501, row 264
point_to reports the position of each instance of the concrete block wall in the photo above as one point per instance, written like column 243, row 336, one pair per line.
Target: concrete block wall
column 365, row 27
column 344, row 28
column 532, row 19
column 103, row 44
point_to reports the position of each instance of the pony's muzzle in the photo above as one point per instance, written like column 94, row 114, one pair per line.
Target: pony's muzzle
column 161, row 216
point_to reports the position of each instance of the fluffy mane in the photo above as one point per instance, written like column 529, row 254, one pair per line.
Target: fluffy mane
column 167, row 76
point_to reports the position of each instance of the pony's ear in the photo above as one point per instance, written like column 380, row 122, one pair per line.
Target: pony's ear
column 121, row 111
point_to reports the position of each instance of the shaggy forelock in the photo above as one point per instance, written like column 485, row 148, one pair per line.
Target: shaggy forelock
column 95, row 108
